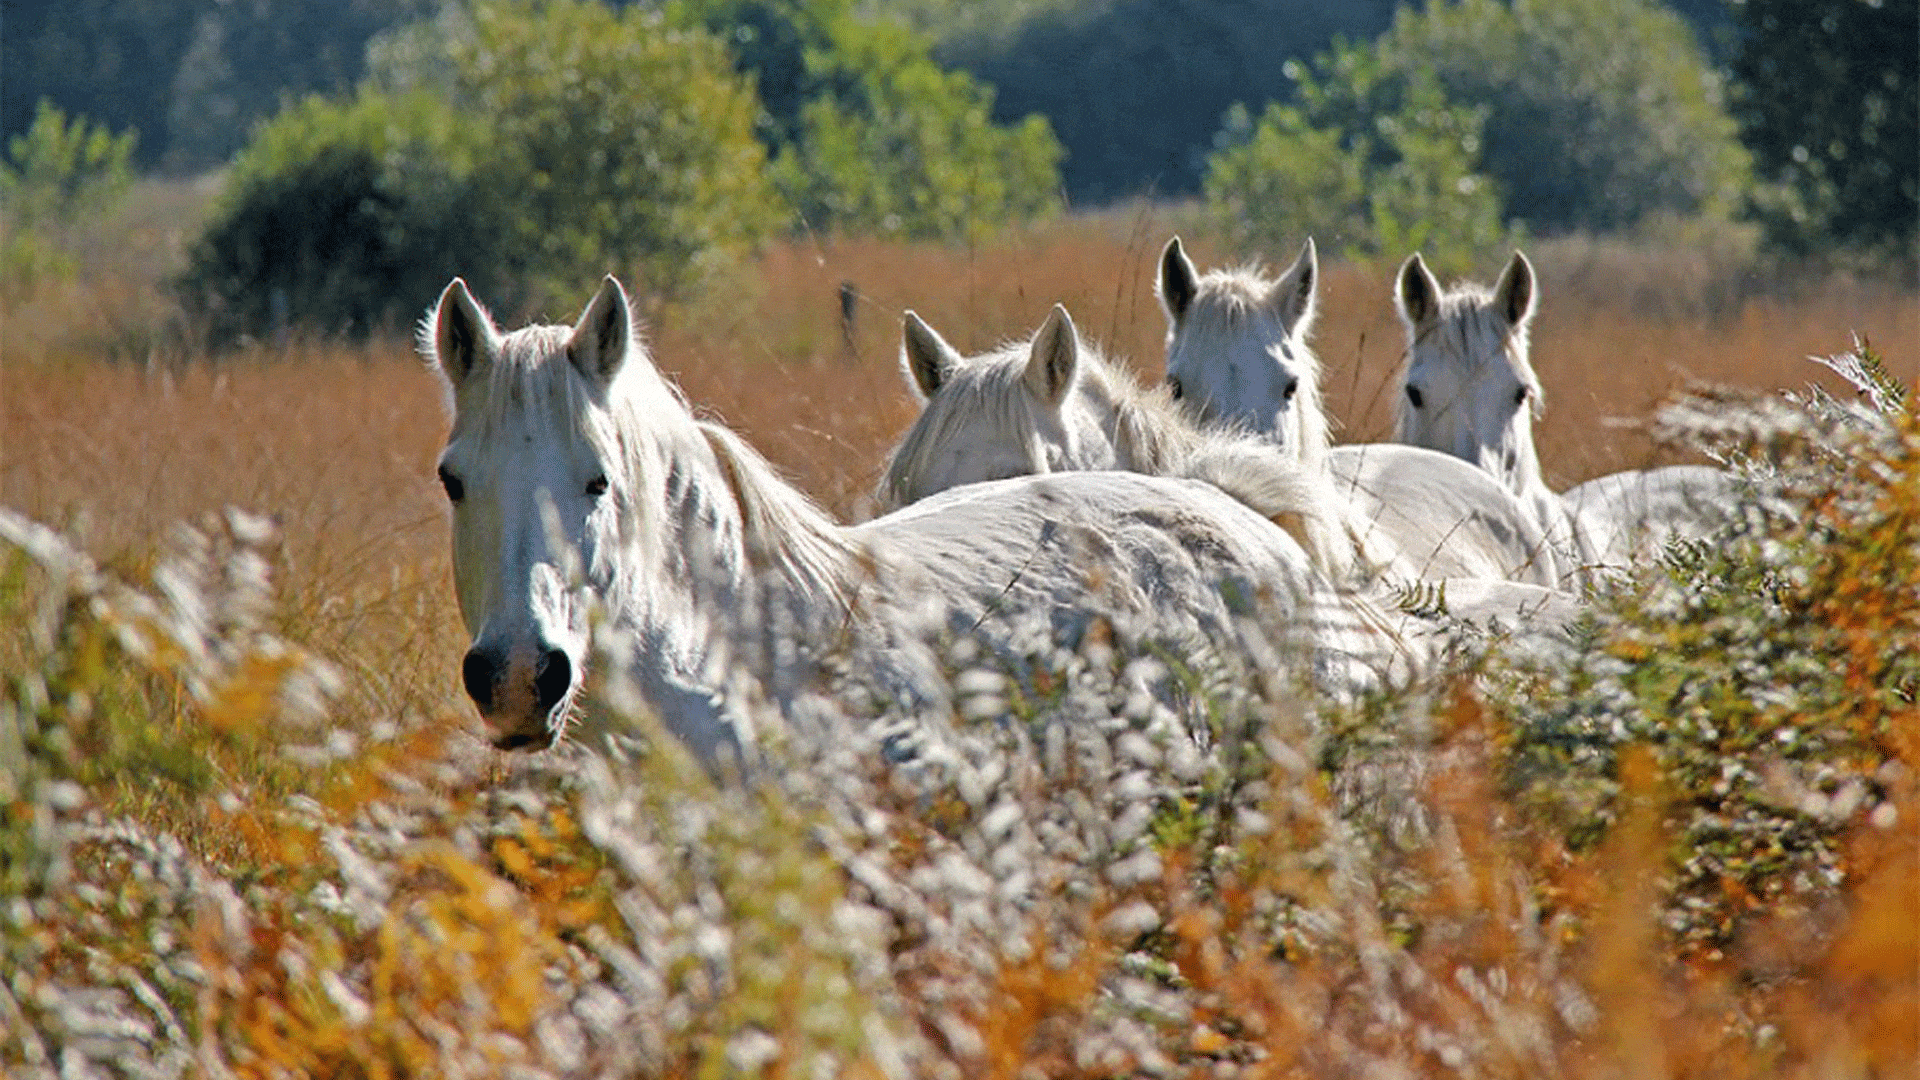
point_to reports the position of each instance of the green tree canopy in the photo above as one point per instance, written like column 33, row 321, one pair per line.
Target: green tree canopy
column 1370, row 160
column 533, row 146
column 868, row 133
column 1601, row 112
column 1829, row 103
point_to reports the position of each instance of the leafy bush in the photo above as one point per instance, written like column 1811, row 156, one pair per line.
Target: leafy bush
column 56, row 173
column 345, row 218
column 614, row 144
column 1600, row 113
column 1369, row 159
column 869, row 134
column 536, row 143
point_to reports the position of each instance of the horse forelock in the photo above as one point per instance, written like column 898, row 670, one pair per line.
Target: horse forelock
column 1467, row 333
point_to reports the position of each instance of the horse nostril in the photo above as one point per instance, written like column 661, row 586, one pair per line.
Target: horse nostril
column 552, row 679
column 477, row 672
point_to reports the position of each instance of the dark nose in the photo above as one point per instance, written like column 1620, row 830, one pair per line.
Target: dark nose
column 552, row 679
column 479, row 671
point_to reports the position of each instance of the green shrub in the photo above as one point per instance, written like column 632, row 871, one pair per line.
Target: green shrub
column 55, row 174
column 345, row 218
column 615, row 144
column 1369, row 160
column 527, row 149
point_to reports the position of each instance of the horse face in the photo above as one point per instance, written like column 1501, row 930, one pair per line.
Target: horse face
column 534, row 493
column 1469, row 389
column 1014, row 413
column 1253, row 382
column 1237, row 348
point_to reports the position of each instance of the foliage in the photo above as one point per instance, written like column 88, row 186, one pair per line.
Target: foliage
column 614, row 144
column 55, row 174
column 868, row 133
column 1368, row 160
column 1134, row 88
column 1600, row 113
column 1826, row 97
column 543, row 139
column 1772, row 672
column 344, row 218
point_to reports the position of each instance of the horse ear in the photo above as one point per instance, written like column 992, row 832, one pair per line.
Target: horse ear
column 604, row 333
column 1514, row 295
column 1418, row 294
column 1055, row 359
column 928, row 359
column 464, row 336
column 1293, row 298
column 1179, row 282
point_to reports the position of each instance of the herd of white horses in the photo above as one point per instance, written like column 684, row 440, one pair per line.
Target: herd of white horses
column 1042, row 492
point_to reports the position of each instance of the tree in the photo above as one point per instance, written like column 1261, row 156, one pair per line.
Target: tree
column 868, row 133
column 617, row 143
column 1369, row 159
column 1829, row 102
column 1136, row 88
column 1601, row 112
column 529, row 147
column 57, row 172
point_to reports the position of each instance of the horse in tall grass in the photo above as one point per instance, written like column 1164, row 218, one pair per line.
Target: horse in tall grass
column 1055, row 403
column 1469, row 389
column 1238, row 357
column 594, row 515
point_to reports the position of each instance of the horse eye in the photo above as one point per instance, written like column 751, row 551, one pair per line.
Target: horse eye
column 597, row 486
column 1520, row 396
column 1173, row 384
column 455, row 489
column 1413, row 395
column 1292, row 388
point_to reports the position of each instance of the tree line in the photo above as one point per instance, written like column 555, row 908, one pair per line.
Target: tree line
column 394, row 138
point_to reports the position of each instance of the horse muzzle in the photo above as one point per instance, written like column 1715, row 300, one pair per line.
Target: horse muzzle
column 521, row 694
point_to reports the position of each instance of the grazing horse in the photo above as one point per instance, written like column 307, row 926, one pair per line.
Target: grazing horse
column 1469, row 389
column 593, row 516
column 1237, row 355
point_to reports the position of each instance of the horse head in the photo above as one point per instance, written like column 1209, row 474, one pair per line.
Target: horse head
column 1468, row 388
column 1237, row 348
column 535, row 475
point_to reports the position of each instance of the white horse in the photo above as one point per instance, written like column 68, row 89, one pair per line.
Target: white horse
column 592, row 513
column 1237, row 355
column 1055, row 404
column 1470, row 390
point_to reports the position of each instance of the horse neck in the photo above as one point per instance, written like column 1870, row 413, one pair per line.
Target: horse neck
column 1311, row 410
column 768, row 529
column 1149, row 435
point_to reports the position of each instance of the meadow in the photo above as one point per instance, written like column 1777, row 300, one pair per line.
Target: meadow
column 214, row 874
